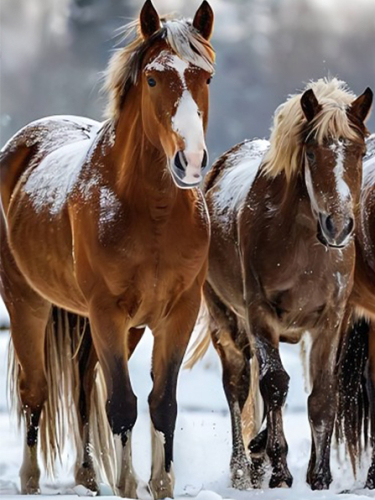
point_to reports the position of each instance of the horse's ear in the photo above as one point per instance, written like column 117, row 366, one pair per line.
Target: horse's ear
column 149, row 19
column 310, row 105
column 204, row 20
column 361, row 107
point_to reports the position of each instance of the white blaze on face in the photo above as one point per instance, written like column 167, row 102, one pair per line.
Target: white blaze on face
column 187, row 123
column 339, row 170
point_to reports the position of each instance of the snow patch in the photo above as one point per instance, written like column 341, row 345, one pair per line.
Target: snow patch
column 236, row 182
column 50, row 183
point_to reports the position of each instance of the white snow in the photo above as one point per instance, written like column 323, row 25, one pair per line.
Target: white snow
column 202, row 438
column 109, row 207
column 51, row 182
column 239, row 176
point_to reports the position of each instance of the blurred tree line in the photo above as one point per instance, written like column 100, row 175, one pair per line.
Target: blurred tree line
column 54, row 52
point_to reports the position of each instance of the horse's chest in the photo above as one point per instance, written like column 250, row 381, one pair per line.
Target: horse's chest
column 301, row 289
column 153, row 256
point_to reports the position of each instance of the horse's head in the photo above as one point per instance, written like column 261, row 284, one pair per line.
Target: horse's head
column 176, row 71
column 333, row 164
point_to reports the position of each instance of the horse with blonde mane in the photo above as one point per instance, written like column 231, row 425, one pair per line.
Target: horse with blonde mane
column 357, row 370
column 281, row 263
column 105, row 221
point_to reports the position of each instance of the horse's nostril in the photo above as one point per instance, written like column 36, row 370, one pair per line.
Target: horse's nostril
column 330, row 225
column 180, row 161
column 205, row 159
column 349, row 226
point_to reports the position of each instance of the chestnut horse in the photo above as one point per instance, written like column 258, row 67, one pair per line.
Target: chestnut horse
column 281, row 263
column 105, row 221
column 357, row 374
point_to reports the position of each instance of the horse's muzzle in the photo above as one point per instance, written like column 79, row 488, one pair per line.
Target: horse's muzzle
column 335, row 232
column 188, row 169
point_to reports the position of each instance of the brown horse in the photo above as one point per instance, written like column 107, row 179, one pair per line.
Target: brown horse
column 105, row 221
column 357, row 374
column 282, row 262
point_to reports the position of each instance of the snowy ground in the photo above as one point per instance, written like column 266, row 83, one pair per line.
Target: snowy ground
column 202, row 440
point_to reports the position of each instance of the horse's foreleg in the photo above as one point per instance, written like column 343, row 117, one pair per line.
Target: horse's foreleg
column 109, row 332
column 273, row 385
column 171, row 340
column 85, row 471
column 370, row 482
column 322, row 405
column 28, row 335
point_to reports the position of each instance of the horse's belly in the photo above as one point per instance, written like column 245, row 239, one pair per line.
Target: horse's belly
column 42, row 248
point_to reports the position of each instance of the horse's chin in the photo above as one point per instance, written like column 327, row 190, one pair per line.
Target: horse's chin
column 181, row 184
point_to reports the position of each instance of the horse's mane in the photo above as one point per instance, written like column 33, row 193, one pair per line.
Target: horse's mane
column 125, row 65
column 290, row 127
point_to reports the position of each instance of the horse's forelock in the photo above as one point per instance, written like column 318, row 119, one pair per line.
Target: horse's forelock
column 290, row 128
column 126, row 63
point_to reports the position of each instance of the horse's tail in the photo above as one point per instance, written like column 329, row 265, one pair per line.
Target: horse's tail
column 353, row 404
column 253, row 410
column 252, row 413
column 59, row 423
column 203, row 337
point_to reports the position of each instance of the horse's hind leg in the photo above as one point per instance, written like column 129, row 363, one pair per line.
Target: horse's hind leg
column 234, row 353
column 370, row 482
column 85, row 472
column 29, row 315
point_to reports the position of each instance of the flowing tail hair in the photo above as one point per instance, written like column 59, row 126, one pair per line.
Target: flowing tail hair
column 253, row 410
column 59, row 424
column 353, row 403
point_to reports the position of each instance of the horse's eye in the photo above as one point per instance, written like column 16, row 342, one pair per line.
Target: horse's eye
column 151, row 82
column 310, row 155
column 209, row 80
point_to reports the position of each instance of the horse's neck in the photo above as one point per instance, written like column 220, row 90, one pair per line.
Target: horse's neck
column 140, row 169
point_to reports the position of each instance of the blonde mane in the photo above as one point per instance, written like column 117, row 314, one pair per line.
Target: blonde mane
column 290, row 127
column 125, row 65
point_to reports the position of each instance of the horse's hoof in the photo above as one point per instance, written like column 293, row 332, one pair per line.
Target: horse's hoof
column 86, row 477
column 160, row 488
column 370, row 482
column 240, row 472
column 128, row 491
column 30, row 483
column 128, row 488
column 281, row 479
column 241, row 479
column 30, row 489
column 319, row 482
column 257, row 471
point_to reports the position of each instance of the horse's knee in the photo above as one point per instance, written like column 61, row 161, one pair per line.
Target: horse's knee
column 122, row 412
column 274, row 386
column 163, row 411
column 33, row 390
column 320, row 408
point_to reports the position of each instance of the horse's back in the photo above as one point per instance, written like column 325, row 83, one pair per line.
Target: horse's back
column 40, row 166
column 34, row 142
column 233, row 175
